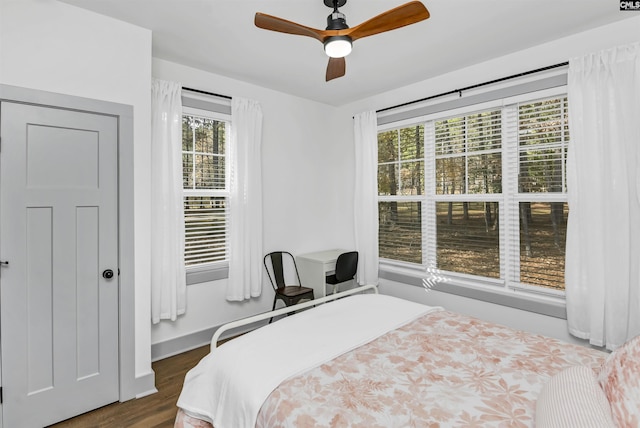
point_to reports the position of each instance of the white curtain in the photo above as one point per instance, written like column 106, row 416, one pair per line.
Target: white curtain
column 366, row 196
column 168, row 280
column 603, row 172
column 245, row 200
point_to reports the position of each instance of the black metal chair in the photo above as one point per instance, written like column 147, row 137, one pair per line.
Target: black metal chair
column 291, row 293
column 346, row 268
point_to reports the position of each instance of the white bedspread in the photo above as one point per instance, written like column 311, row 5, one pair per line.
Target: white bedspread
column 228, row 386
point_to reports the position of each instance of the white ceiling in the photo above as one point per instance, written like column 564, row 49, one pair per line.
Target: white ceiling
column 219, row 36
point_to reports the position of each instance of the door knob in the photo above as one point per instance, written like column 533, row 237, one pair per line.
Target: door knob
column 107, row 274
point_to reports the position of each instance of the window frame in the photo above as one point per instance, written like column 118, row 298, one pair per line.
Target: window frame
column 503, row 291
column 211, row 271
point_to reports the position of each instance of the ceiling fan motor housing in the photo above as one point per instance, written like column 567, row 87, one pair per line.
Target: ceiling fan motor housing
column 337, row 21
column 335, row 3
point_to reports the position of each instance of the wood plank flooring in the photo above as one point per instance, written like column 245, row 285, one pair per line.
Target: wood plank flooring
column 154, row 411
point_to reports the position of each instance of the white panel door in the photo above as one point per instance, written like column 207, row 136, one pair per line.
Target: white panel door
column 58, row 234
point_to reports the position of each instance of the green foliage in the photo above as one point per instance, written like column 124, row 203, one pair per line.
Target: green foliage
column 468, row 158
column 400, row 161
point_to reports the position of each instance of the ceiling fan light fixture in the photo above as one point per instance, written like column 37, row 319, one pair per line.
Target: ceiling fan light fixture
column 338, row 46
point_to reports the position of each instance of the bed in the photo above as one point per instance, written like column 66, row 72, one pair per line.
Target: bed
column 370, row 360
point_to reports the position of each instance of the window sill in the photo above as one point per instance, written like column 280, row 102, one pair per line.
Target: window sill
column 518, row 299
column 200, row 274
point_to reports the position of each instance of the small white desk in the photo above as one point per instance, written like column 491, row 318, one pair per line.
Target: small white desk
column 314, row 268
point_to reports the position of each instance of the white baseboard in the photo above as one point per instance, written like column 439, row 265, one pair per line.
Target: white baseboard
column 178, row 345
column 146, row 384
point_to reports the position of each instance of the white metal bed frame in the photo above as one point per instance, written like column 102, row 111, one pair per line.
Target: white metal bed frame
column 286, row 310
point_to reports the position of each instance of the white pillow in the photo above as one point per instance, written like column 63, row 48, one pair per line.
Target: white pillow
column 620, row 381
column 573, row 398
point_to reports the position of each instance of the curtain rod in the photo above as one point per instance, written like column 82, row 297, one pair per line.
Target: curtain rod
column 466, row 88
column 206, row 93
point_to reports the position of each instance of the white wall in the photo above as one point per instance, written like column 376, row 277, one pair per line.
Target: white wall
column 306, row 204
column 626, row 31
column 55, row 47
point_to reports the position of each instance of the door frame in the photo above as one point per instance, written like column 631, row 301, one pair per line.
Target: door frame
column 126, row 265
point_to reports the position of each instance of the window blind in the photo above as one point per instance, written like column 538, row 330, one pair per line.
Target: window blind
column 205, row 229
column 205, row 184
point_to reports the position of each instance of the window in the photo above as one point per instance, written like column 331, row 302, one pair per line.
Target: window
column 478, row 195
column 543, row 134
column 401, row 172
column 468, row 172
column 206, row 187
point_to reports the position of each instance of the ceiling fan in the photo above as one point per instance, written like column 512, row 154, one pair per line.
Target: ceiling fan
column 337, row 38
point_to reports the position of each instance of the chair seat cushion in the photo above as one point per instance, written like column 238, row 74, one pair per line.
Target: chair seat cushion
column 293, row 290
column 331, row 279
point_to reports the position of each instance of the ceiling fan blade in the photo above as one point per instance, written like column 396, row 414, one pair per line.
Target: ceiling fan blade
column 336, row 68
column 280, row 25
column 407, row 14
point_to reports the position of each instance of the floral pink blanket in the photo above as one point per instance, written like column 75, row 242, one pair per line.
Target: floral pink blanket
column 441, row 370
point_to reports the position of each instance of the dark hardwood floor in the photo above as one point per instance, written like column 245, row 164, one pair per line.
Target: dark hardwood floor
column 156, row 410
